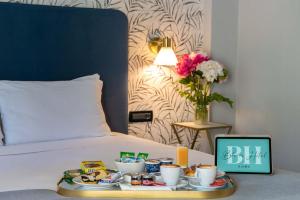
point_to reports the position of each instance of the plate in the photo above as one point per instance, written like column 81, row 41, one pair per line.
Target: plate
column 80, row 182
column 219, row 183
column 219, row 175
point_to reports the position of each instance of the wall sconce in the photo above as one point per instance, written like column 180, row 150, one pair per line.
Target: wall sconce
column 166, row 56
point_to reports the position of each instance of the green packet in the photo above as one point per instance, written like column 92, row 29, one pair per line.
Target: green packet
column 143, row 155
column 127, row 154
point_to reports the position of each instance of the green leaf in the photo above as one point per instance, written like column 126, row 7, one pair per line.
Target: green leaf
column 219, row 98
column 185, row 80
column 224, row 77
column 198, row 72
column 225, row 72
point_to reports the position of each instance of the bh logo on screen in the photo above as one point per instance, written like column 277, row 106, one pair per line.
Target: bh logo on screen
column 244, row 155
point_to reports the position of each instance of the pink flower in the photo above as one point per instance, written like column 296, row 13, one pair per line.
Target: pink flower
column 199, row 58
column 185, row 66
column 188, row 63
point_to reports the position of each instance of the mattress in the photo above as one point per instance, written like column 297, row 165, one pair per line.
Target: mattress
column 41, row 165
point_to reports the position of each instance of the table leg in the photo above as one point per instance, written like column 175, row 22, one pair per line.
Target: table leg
column 229, row 130
column 195, row 139
column 176, row 133
column 210, row 142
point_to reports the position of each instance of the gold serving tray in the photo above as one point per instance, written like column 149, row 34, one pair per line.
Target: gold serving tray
column 71, row 190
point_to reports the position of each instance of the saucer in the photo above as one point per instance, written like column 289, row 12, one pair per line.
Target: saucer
column 219, row 183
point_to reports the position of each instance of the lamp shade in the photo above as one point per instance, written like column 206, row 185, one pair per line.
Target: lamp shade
column 166, row 57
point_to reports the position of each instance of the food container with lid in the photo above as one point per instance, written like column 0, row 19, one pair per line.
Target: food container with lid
column 152, row 165
column 166, row 161
column 136, row 179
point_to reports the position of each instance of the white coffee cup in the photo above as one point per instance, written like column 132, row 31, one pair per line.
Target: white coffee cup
column 206, row 174
column 170, row 174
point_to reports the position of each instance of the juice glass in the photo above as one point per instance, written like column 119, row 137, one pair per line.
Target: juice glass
column 182, row 156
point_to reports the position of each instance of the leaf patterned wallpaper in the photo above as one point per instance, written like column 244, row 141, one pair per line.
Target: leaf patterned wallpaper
column 151, row 87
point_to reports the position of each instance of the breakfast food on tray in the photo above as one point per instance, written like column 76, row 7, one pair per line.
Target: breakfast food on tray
column 142, row 155
column 95, row 176
column 144, row 179
column 112, row 177
column 93, row 172
column 88, row 179
column 92, row 166
column 190, row 171
column 136, row 170
column 72, row 173
column 136, row 179
column 165, row 161
column 152, row 165
column 129, row 157
column 101, row 176
column 130, row 160
column 128, row 163
column 127, row 154
column 147, row 180
column 138, row 173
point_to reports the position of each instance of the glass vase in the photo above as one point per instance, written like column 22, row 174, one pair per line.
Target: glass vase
column 201, row 114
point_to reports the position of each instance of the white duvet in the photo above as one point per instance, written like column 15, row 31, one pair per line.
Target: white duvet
column 40, row 165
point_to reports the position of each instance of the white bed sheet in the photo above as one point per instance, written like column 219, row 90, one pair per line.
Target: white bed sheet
column 40, row 165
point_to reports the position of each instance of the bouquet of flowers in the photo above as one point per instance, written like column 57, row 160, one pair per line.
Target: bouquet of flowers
column 199, row 74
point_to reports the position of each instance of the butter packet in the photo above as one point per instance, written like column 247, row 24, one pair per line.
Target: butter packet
column 127, row 154
column 142, row 155
column 92, row 166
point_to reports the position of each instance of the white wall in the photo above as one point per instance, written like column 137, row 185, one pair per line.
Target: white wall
column 267, row 76
column 224, row 49
column 259, row 41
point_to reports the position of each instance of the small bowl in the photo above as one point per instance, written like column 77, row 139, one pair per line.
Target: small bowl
column 136, row 167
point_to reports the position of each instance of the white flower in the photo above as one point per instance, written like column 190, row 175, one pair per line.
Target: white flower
column 211, row 70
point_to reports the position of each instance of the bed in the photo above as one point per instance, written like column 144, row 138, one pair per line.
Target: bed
column 40, row 165
column 44, row 43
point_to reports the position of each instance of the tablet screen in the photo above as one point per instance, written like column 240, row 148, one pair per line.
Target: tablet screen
column 244, row 154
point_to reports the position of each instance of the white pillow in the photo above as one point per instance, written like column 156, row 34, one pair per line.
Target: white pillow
column 35, row 111
column 99, row 87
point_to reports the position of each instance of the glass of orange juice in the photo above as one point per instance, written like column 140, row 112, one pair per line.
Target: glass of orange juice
column 182, row 156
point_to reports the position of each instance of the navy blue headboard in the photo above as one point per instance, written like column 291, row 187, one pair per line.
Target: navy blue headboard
column 46, row 43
